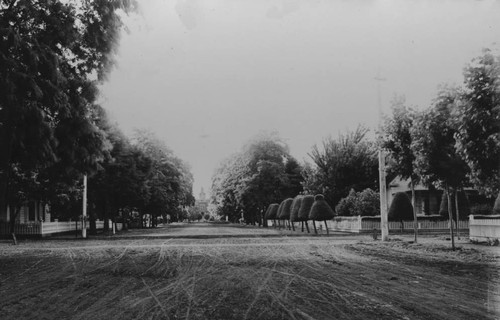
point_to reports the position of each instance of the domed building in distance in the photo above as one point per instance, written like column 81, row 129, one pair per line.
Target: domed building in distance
column 201, row 203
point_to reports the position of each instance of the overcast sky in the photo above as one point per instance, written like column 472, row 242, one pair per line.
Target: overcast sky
column 207, row 75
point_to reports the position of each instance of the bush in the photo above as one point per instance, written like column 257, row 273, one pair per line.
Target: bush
column 496, row 206
column 266, row 215
column 294, row 210
column 320, row 209
column 463, row 206
column 280, row 209
column 481, row 209
column 368, row 203
column 365, row 203
column 305, row 207
column 285, row 211
column 401, row 208
column 345, row 207
column 273, row 211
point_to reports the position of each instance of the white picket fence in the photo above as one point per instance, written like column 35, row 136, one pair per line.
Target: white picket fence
column 484, row 229
column 47, row 228
column 362, row 224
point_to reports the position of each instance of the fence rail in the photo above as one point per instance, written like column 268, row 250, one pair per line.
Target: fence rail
column 46, row 228
column 360, row 224
column 484, row 229
column 409, row 225
column 21, row 228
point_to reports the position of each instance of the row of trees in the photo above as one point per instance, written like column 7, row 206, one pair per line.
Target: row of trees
column 264, row 172
column 451, row 145
column 140, row 175
column 302, row 208
column 341, row 165
column 247, row 182
column 455, row 143
column 53, row 57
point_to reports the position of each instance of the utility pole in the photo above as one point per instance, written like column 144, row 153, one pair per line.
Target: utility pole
column 84, row 211
column 384, row 226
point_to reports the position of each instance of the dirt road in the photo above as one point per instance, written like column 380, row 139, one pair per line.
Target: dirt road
column 248, row 278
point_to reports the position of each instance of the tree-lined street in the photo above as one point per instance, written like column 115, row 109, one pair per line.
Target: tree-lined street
column 281, row 94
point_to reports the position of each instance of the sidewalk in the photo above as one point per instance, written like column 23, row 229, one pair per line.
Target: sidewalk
column 204, row 230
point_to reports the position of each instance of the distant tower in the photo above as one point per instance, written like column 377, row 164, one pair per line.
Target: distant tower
column 202, row 203
column 202, row 195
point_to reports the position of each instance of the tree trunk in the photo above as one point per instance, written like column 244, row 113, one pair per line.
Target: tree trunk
column 293, row 225
column 314, row 225
column 302, row 223
column 450, row 216
column 326, row 227
column 12, row 224
column 6, row 141
column 105, row 215
column 457, row 213
column 92, row 224
column 307, row 227
column 413, row 200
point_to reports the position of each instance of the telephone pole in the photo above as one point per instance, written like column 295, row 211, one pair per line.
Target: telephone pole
column 84, row 208
column 384, row 226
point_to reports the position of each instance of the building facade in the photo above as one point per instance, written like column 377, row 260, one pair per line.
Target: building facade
column 201, row 203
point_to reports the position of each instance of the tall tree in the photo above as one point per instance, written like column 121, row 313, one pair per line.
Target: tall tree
column 349, row 162
column 433, row 143
column 52, row 56
column 478, row 122
column 396, row 138
column 121, row 181
column 169, row 180
column 225, row 181
column 294, row 179
column 261, row 174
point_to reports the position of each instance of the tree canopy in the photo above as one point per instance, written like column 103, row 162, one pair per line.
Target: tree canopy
column 349, row 162
column 400, row 208
column 264, row 172
column 53, row 55
column 478, row 122
column 433, row 143
column 397, row 140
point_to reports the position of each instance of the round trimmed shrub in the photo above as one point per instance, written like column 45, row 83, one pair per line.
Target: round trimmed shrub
column 320, row 210
column 368, row 203
column 266, row 215
column 463, row 206
column 346, row 206
column 273, row 211
column 365, row 203
column 305, row 207
column 285, row 210
column 401, row 208
column 481, row 209
column 280, row 208
column 294, row 210
column 496, row 206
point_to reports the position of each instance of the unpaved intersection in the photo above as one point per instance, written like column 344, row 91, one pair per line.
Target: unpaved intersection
column 247, row 278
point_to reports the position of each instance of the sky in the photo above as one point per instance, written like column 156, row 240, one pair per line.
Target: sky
column 208, row 75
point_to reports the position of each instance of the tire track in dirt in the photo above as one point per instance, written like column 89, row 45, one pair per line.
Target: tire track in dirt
column 279, row 280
